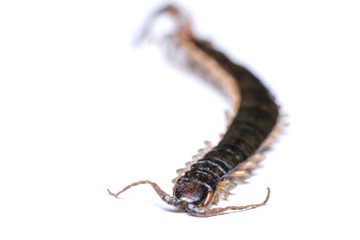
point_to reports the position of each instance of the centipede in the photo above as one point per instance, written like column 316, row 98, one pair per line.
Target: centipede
column 252, row 127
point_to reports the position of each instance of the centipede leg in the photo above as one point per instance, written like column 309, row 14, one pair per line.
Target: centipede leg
column 273, row 135
column 229, row 119
column 244, row 171
column 201, row 152
column 225, row 187
column 245, row 168
column 209, row 145
column 205, row 212
column 239, row 175
column 252, row 163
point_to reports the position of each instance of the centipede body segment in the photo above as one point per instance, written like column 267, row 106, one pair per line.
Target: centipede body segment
column 214, row 171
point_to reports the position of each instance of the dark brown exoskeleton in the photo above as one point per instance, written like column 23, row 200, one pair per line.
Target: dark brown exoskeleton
column 251, row 130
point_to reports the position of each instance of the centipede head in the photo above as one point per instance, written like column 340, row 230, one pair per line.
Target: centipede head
column 196, row 197
column 193, row 192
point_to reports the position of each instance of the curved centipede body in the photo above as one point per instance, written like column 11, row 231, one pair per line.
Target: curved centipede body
column 215, row 169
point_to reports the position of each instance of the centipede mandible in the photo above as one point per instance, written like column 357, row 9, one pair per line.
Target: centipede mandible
column 252, row 127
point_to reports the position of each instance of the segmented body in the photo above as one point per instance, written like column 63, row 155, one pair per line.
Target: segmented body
column 256, row 116
column 251, row 129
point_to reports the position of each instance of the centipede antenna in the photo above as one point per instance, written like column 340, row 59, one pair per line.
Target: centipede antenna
column 163, row 195
column 217, row 211
column 205, row 212
column 156, row 187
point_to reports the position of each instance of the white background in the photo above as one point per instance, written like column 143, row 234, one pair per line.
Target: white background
column 82, row 110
